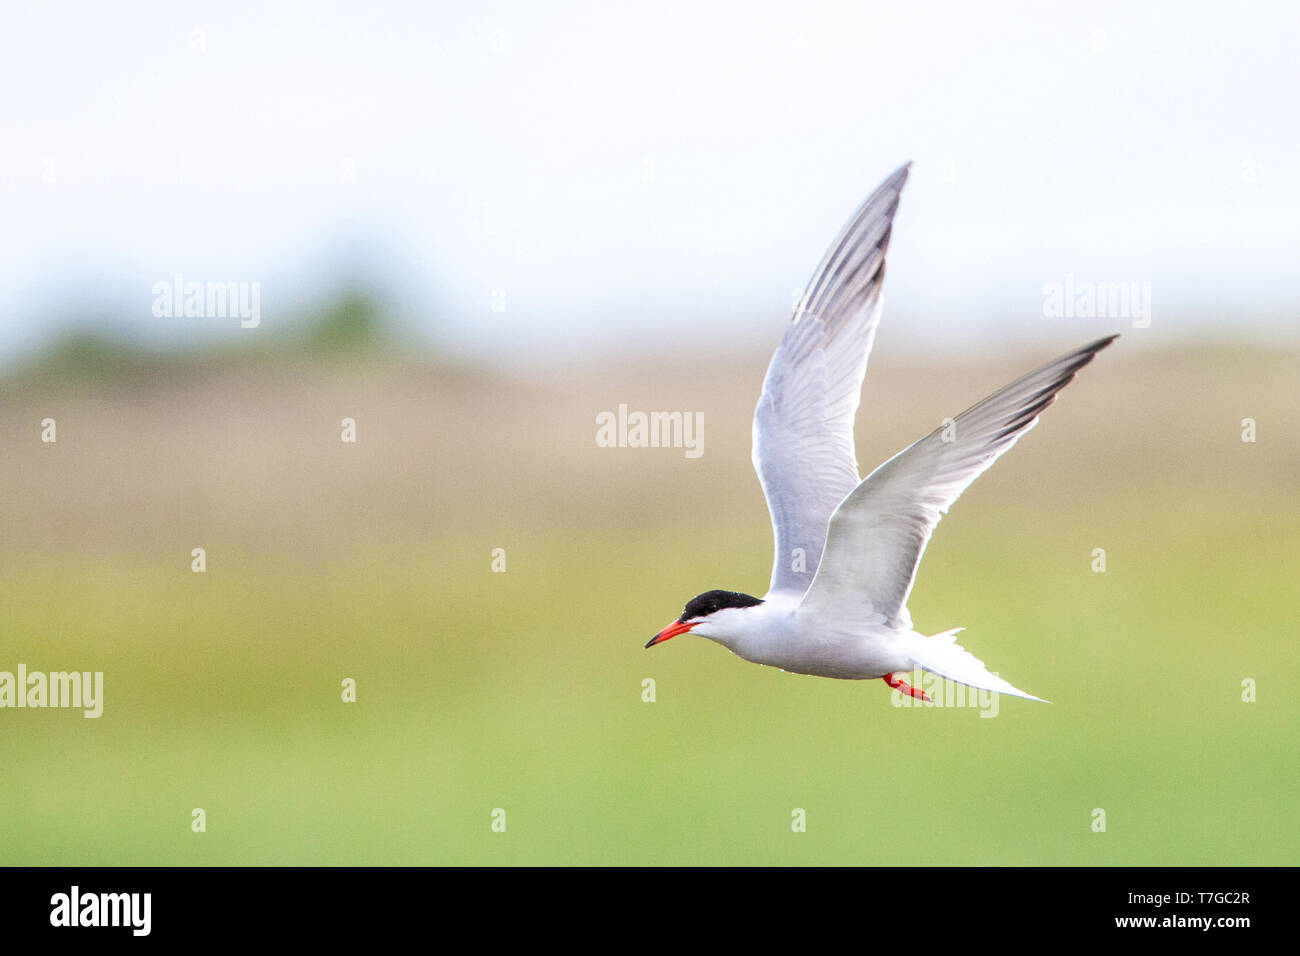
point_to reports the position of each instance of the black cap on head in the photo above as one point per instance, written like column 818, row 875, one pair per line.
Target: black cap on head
column 711, row 601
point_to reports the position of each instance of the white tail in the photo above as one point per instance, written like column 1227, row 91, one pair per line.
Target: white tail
column 942, row 655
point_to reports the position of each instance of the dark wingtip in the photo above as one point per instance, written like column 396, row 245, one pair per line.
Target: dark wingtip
column 1089, row 351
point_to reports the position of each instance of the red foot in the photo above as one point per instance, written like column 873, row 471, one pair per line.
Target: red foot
column 899, row 684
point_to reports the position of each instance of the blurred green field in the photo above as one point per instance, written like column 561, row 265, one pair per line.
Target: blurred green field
column 522, row 690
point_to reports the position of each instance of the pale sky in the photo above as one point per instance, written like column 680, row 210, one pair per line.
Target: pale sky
column 649, row 176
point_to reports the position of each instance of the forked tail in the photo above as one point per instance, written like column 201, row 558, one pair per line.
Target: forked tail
column 942, row 655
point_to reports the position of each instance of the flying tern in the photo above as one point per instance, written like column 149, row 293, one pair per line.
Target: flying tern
column 847, row 548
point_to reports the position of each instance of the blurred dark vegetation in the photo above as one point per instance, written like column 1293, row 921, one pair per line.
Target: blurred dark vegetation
column 351, row 325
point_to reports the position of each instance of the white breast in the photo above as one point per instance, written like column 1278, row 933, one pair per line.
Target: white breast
column 776, row 634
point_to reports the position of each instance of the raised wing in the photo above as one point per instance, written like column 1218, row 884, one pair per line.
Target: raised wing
column 803, row 425
column 877, row 536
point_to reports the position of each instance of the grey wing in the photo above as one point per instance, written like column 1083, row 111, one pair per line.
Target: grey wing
column 877, row 536
column 803, row 425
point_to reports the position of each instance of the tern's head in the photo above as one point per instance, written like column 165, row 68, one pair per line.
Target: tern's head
column 717, row 615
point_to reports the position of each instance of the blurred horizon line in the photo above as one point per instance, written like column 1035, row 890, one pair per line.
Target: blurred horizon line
column 367, row 322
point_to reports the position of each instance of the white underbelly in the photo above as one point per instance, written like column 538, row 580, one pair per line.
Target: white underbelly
column 843, row 656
